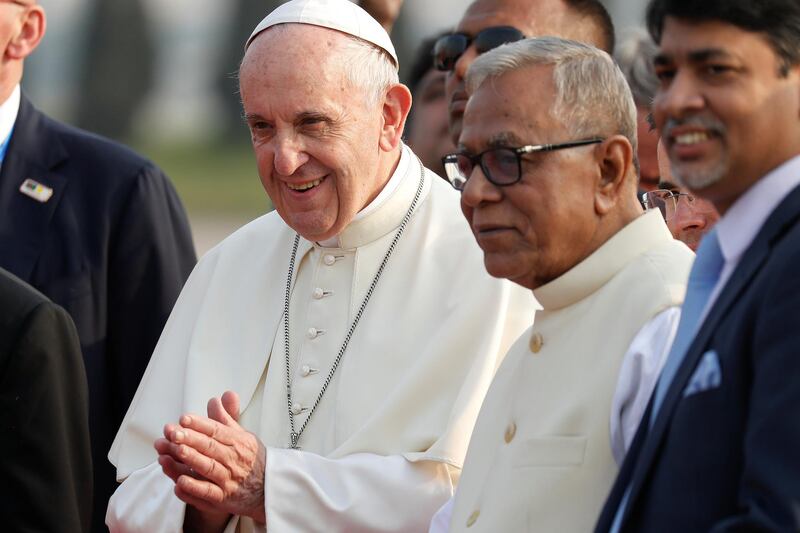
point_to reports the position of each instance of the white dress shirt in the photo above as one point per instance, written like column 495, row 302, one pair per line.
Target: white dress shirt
column 738, row 227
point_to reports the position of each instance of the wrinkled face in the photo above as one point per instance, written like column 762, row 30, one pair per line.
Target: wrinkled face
column 315, row 136
column 533, row 231
column 726, row 114
column 429, row 136
column 648, row 160
column 532, row 17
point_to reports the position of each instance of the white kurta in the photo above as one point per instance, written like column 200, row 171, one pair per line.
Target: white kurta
column 540, row 458
column 384, row 447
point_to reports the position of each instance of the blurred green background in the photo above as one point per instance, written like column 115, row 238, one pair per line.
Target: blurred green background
column 159, row 75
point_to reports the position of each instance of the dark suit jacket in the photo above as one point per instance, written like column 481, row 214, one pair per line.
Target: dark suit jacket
column 112, row 246
column 728, row 458
column 45, row 458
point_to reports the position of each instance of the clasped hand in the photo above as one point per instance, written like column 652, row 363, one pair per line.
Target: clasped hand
column 217, row 466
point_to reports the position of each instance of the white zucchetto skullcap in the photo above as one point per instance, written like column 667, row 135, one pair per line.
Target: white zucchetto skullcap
column 341, row 15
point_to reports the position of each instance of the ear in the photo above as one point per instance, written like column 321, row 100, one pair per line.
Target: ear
column 615, row 157
column 396, row 106
column 32, row 25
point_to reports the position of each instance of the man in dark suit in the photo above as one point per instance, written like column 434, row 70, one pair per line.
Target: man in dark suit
column 719, row 449
column 97, row 229
column 45, row 461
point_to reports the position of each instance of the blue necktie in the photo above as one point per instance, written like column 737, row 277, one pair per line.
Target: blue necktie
column 702, row 280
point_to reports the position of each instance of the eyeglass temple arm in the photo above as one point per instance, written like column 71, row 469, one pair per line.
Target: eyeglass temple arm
column 559, row 146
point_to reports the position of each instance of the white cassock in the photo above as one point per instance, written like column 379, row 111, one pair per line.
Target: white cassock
column 384, row 448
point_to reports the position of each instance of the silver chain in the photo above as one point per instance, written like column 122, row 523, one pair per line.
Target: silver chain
column 294, row 436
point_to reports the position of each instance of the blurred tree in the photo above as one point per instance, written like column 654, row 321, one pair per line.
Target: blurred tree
column 118, row 67
column 248, row 13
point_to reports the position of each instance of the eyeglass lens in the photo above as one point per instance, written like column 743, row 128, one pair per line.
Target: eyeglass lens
column 669, row 203
column 450, row 47
column 499, row 165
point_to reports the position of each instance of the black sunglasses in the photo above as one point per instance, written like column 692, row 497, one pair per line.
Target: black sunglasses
column 502, row 166
column 449, row 48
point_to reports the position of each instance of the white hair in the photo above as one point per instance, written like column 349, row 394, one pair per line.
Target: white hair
column 369, row 68
column 635, row 55
column 592, row 96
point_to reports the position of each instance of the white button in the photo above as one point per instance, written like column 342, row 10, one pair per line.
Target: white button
column 297, row 408
column 318, row 293
column 312, row 333
column 305, row 370
column 329, row 259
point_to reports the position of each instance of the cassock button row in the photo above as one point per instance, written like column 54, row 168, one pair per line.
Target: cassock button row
column 473, row 518
column 536, row 342
column 511, row 430
column 297, row 408
column 318, row 293
column 328, row 259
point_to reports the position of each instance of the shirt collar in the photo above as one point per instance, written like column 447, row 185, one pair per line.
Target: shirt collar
column 8, row 113
column 639, row 236
column 740, row 224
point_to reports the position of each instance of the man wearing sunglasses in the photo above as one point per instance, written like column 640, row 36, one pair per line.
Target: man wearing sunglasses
column 488, row 24
column 547, row 180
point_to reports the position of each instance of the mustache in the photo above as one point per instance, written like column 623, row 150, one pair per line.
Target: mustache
column 705, row 122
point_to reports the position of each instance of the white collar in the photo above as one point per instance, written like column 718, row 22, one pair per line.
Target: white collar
column 742, row 222
column 386, row 192
column 8, row 113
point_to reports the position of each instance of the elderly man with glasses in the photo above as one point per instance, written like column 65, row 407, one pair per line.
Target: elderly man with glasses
column 546, row 171
column 489, row 23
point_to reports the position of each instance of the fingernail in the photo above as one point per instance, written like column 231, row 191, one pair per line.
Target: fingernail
column 186, row 420
column 179, row 436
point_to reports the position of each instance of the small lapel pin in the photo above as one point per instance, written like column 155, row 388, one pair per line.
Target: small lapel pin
column 37, row 191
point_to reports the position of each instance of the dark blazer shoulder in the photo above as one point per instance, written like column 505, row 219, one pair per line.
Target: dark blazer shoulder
column 18, row 298
column 18, row 301
column 86, row 155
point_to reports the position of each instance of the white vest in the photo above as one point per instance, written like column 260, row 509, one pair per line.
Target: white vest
column 540, row 456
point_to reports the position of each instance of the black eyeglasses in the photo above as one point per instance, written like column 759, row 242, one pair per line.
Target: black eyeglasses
column 449, row 48
column 501, row 166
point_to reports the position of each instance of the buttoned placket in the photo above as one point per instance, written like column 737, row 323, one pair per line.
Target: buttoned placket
column 317, row 332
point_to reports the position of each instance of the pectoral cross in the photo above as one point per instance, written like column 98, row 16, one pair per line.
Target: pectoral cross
column 295, row 437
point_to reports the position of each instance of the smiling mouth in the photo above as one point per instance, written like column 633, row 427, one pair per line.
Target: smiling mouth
column 690, row 139
column 302, row 187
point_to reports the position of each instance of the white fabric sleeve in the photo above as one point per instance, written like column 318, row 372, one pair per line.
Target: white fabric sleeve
column 146, row 503
column 441, row 520
column 360, row 492
column 638, row 374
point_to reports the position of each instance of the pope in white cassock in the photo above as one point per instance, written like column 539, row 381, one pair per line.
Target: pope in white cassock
column 353, row 332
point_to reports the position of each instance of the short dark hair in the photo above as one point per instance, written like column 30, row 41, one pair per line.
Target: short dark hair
column 777, row 20
column 597, row 13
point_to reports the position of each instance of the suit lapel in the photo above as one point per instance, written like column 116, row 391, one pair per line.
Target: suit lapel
column 783, row 217
column 33, row 151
